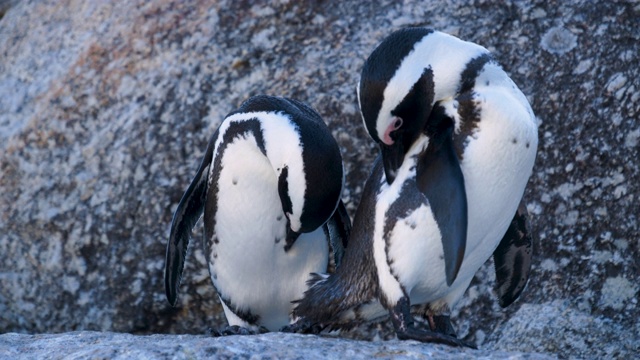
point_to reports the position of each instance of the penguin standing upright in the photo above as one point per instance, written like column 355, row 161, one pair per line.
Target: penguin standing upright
column 458, row 142
column 269, row 186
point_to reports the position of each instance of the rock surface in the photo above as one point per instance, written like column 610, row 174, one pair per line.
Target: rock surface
column 105, row 110
column 108, row 345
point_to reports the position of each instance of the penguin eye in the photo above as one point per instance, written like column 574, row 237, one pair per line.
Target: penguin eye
column 387, row 138
column 397, row 123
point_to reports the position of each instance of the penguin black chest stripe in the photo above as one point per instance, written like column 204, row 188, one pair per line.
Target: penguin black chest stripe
column 471, row 72
column 399, row 210
column 411, row 200
column 468, row 108
column 235, row 131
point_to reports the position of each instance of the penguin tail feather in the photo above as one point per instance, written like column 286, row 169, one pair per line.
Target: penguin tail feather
column 315, row 279
column 327, row 300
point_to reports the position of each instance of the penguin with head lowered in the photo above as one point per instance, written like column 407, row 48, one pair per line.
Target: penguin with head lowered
column 269, row 186
column 458, row 142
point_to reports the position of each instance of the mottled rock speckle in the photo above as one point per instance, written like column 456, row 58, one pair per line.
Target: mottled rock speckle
column 108, row 345
column 106, row 109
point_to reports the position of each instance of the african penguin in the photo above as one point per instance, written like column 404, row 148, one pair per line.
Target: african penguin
column 269, row 186
column 458, row 142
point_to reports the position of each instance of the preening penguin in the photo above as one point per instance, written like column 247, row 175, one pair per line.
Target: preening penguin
column 269, row 186
column 458, row 141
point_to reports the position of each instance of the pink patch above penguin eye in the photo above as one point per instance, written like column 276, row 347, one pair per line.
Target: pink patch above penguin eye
column 395, row 124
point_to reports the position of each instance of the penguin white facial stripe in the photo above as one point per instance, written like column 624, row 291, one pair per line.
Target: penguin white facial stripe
column 284, row 148
column 446, row 71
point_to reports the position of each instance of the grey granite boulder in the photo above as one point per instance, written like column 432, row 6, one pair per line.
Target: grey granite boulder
column 106, row 108
column 107, row 345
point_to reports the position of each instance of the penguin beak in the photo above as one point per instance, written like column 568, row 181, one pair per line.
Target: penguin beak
column 392, row 158
column 292, row 236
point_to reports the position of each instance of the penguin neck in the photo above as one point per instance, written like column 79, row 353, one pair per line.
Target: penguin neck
column 406, row 171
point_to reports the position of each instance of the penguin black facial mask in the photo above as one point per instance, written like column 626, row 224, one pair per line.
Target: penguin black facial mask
column 414, row 113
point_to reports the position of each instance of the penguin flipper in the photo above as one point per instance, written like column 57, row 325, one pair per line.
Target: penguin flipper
column 189, row 210
column 512, row 258
column 338, row 230
column 440, row 179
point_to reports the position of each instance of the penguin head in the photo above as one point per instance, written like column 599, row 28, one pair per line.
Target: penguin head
column 395, row 100
column 305, row 157
column 310, row 193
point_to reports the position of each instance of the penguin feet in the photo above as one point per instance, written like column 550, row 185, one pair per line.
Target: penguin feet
column 236, row 330
column 303, row 327
column 441, row 324
column 406, row 329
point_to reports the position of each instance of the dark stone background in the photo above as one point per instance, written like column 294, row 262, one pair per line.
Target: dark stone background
column 106, row 108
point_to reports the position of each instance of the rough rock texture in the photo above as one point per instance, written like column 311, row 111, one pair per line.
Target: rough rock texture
column 108, row 345
column 106, row 108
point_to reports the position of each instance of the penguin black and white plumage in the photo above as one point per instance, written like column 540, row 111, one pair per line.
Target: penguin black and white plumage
column 458, row 142
column 269, row 186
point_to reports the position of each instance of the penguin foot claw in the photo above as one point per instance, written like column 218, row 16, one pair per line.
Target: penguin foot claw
column 441, row 324
column 423, row 335
column 406, row 329
column 302, row 327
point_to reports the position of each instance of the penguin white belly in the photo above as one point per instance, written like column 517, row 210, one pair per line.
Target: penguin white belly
column 249, row 266
column 418, row 256
column 496, row 165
